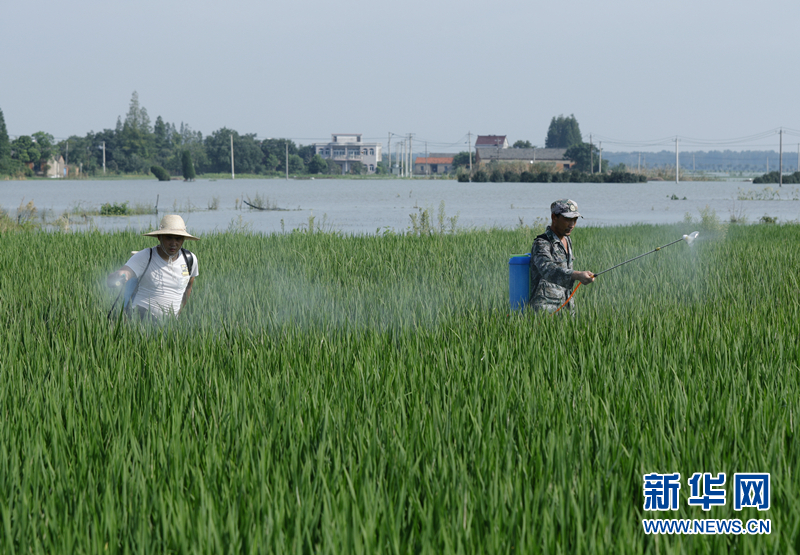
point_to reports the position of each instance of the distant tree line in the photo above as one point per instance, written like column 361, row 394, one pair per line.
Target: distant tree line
column 748, row 161
column 498, row 174
column 136, row 145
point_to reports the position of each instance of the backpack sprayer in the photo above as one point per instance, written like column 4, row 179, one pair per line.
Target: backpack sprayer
column 519, row 274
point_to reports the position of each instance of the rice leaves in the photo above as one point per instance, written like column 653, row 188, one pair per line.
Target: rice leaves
column 337, row 394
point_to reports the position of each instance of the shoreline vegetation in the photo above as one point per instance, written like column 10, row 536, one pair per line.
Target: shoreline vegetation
column 28, row 217
column 653, row 174
column 539, row 175
column 374, row 394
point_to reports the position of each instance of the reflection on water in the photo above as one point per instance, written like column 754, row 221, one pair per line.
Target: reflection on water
column 370, row 206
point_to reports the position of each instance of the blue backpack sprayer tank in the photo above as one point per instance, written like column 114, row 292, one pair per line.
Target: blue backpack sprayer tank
column 519, row 281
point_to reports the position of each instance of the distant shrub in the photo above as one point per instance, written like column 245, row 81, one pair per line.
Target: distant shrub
column 511, row 176
column 480, row 176
column 115, row 209
column 774, row 177
column 160, row 173
column 497, row 176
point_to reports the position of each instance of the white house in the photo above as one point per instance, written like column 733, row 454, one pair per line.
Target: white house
column 346, row 148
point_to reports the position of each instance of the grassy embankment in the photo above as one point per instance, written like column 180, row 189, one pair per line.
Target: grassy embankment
column 372, row 394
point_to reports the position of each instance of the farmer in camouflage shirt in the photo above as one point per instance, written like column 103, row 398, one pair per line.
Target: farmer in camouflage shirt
column 552, row 256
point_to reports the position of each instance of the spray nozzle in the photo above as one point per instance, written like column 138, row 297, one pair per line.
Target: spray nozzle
column 691, row 237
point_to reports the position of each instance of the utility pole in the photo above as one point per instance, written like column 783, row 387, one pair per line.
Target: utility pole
column 780, row 161
column 402, row 162
column 66, row 164
column 232, row 174
column 389, row 144
column 600, row 169
column 469, row 142
column 287, row 160
column 677, row 162
column 639, row 165
column 591, row 154
column 104, row 156
column 410, row 156
column 428, row 170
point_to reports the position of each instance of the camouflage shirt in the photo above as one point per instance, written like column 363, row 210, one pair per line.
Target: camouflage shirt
column 551, row 272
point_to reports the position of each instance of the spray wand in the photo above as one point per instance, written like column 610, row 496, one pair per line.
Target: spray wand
column 688, row 238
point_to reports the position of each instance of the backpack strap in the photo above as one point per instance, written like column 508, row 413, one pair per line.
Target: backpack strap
column 138, row 281
column 189, row 258
column 534, row 276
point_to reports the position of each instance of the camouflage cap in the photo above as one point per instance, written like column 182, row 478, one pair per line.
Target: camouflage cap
column 566, row 207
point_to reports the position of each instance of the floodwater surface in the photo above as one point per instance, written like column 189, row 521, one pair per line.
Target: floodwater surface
column 364, row 206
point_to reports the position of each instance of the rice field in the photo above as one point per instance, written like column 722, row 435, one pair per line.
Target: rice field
column 372, row 394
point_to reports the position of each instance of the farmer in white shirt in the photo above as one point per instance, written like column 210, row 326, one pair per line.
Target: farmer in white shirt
column 165, row 272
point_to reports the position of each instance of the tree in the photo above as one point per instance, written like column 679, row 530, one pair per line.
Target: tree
column 5, row 144
column 296, row 164
column 277, row 148
column 333, row 167
column 25, row 150
column 306, row 152
column 162, row 139
column 78, row 153
column 136, row 137
column 523, row 144
column 357, row 168
column 106, row 138
column 582, row 154
column 46, row 143
column 317, row 165
column 192, row 141
column 187, row 165
column 218, row 151
column 271, row 163
column 247, row 154
column 563, row 132
column 462, row 159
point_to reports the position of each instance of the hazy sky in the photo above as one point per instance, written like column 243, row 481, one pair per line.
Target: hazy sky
column 716, row 74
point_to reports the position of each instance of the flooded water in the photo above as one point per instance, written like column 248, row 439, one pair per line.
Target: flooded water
column 370, row 206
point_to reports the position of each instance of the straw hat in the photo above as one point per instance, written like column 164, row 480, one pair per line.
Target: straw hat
column 172, row 224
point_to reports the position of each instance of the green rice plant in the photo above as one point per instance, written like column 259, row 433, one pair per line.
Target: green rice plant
column 340, row 394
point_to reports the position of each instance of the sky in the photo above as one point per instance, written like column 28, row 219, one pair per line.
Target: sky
column 635, row 74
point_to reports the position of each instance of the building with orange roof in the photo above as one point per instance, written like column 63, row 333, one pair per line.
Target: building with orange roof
column 435, row 164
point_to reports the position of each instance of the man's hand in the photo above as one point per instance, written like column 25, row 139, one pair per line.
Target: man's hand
column 118, row 278
column 584, row 277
